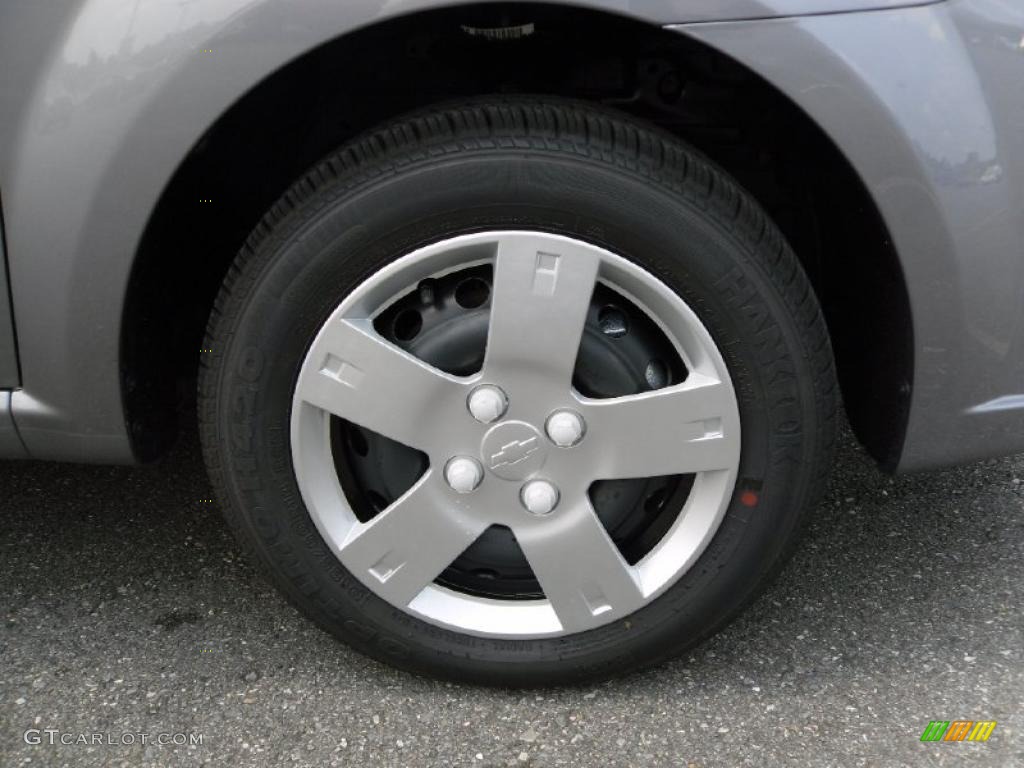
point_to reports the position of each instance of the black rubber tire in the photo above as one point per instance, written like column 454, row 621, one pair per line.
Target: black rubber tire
column 538, row 164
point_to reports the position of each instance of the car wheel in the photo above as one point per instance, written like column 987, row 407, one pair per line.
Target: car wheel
column 519, row 391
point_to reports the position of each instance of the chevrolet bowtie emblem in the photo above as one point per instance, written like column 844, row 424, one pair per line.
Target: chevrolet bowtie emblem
column 514, row 452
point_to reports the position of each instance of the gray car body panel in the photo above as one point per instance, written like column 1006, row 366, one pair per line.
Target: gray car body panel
column 10, row 444
column 100, row 101
column 928, row 106
column 9, row 378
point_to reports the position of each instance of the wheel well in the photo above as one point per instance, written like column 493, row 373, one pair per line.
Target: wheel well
column 282, row 127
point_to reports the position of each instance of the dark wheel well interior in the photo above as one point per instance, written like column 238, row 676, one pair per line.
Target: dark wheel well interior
column 265, row 141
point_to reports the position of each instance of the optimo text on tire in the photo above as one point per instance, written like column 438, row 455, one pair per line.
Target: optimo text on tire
column 519, row 391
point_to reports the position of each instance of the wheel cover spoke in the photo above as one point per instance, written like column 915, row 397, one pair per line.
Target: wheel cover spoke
column 357, row 375
column 580, row 569
column 541, row 293
column 677, row 430
column 406, row 546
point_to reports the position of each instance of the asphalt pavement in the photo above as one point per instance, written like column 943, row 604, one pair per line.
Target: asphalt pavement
column 128, row 613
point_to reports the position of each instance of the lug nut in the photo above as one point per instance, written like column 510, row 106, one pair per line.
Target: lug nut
column 565, row 428
column 463, row 474
column 539, row 497
column 487, row 403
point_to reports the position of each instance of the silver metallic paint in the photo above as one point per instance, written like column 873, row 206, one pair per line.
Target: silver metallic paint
column 928, row 106
column 100, row 100
column 10, row 444
column 8, row 349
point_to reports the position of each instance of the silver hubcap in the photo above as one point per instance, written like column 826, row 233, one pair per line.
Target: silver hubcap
column 515, row 445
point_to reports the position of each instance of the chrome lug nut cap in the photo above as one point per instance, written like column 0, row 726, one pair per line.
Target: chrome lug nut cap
column 565, row 428
column 539, row 497
column 463, row 474
column 487, row 403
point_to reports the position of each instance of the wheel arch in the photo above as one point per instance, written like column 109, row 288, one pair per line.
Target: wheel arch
column 178, row 278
